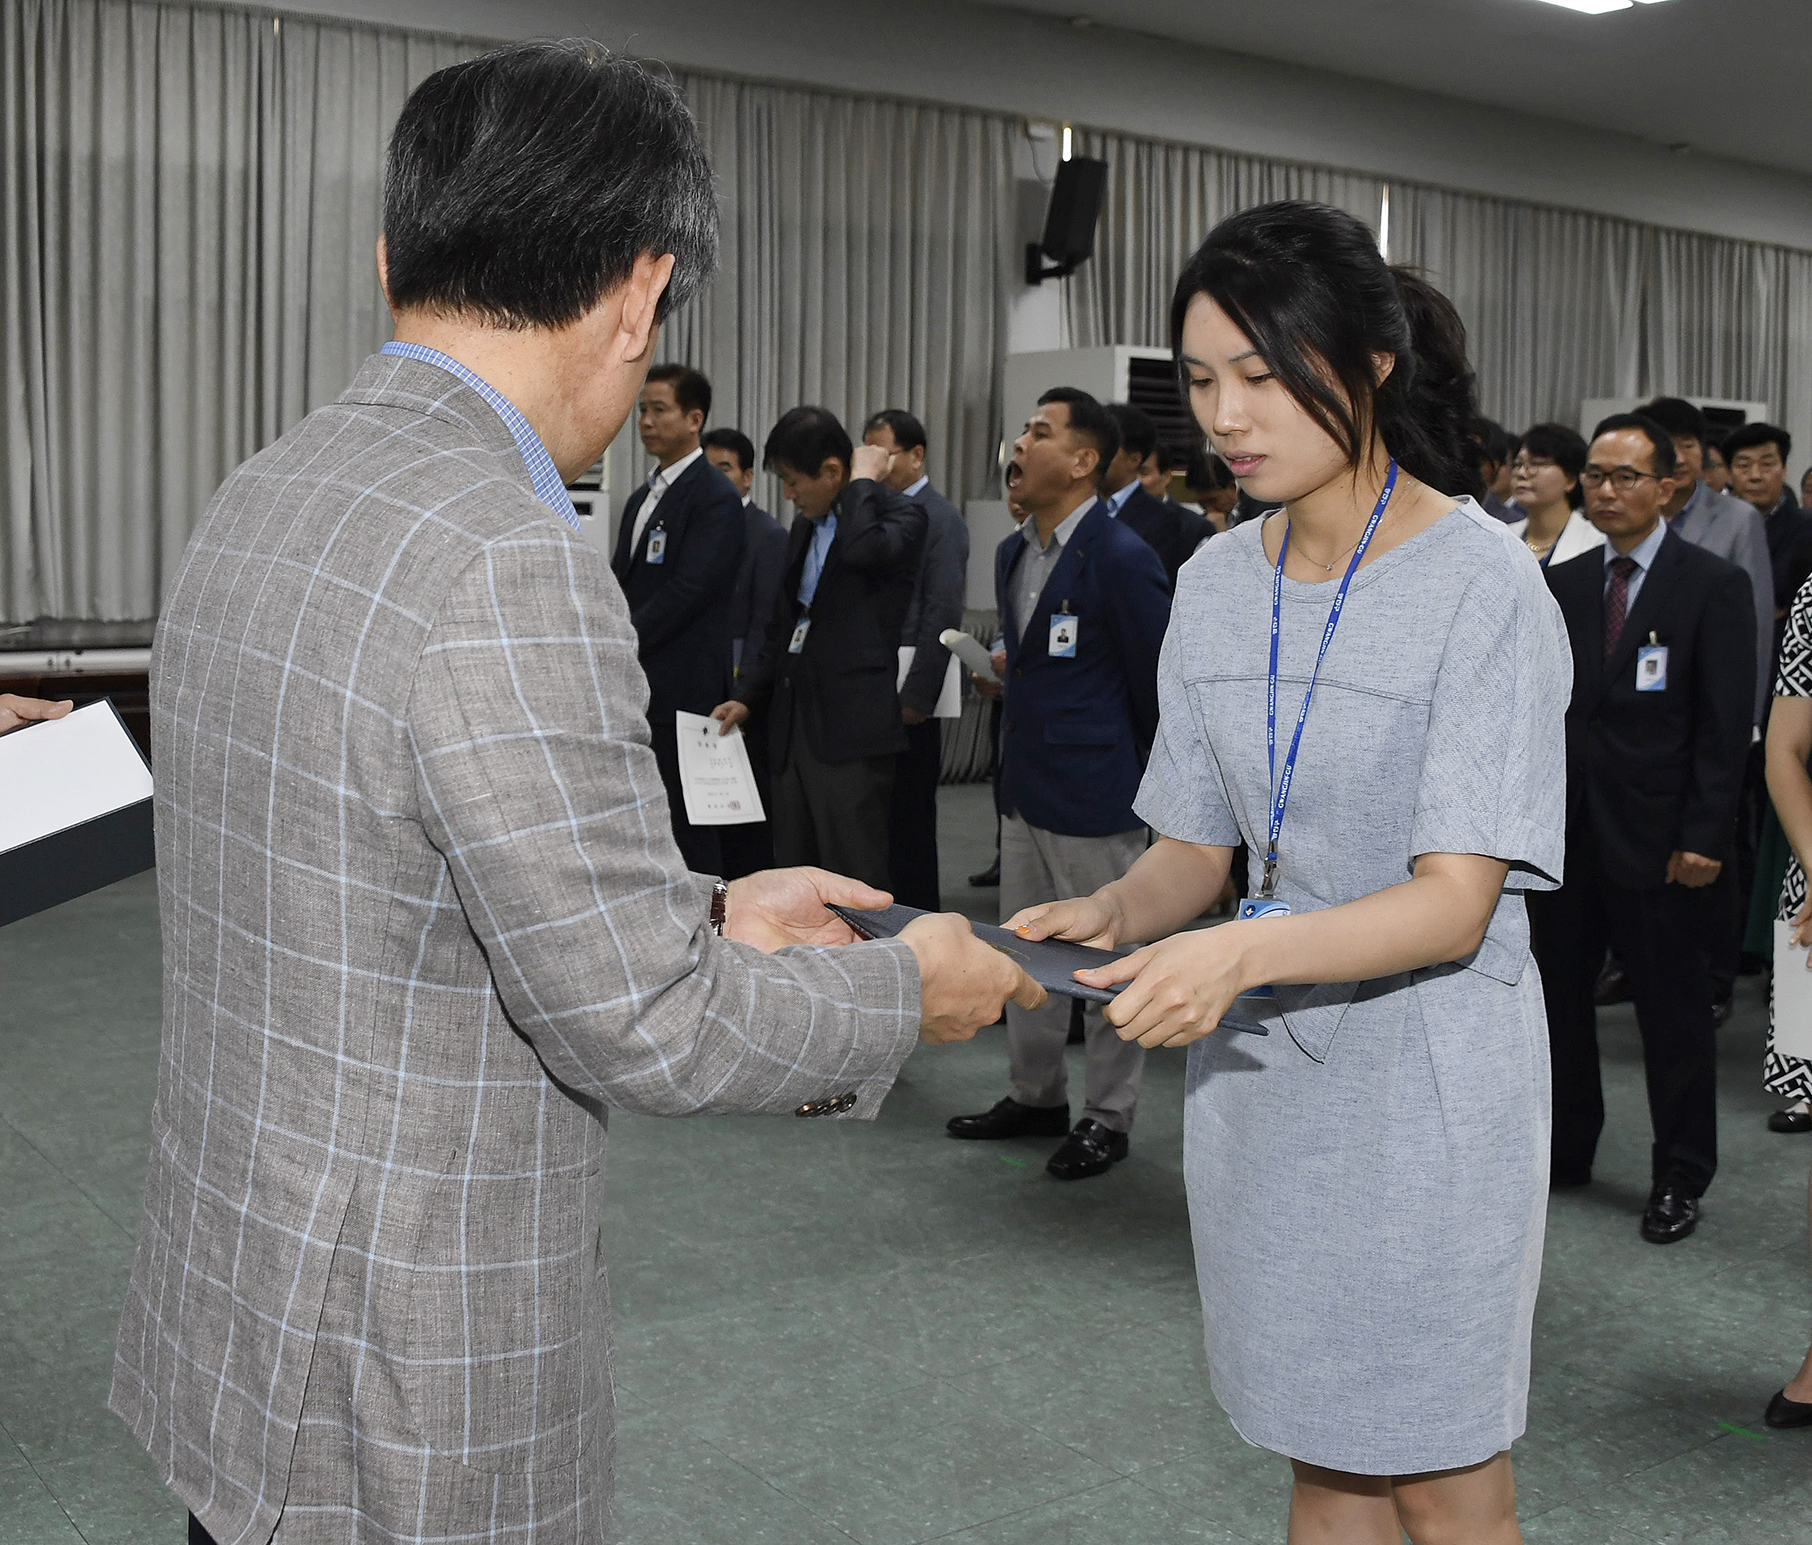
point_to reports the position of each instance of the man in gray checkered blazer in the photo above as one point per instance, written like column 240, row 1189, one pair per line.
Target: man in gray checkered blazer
column 424, row 920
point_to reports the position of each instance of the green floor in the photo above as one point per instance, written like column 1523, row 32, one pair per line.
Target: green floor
column 852, row 1332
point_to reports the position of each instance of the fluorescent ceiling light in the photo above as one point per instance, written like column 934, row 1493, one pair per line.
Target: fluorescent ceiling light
column 1599, row 7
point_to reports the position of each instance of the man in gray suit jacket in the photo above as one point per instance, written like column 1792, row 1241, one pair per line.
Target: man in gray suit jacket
column 424, row 920
column 1720, row 523
column 937, row 604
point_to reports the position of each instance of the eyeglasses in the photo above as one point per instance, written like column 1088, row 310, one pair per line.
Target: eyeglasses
column 1532, row 464
column 1623, row 479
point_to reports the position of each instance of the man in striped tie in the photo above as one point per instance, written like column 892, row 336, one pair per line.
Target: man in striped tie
column 1663, row 694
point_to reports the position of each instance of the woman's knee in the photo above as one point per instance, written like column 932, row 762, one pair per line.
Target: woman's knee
column 1460, row 1507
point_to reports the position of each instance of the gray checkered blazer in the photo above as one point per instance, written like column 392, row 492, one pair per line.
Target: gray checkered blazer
column 423, row 922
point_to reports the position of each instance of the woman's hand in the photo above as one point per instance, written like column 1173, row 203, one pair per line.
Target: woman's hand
column 1802, row 928
column 1180, row 988
column 1087, row 920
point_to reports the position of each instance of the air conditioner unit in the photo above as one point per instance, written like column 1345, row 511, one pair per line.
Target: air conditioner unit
column 1120, row 372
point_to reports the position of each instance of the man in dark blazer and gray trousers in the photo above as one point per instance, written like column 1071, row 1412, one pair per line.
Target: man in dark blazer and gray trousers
column 1083, row 605
column 937, row 604
column 1663, row 690
column 678, row 552
column 830, row 654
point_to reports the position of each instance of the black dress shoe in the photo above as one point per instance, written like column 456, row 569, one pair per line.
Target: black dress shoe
column 1613, row 986
column 988, row 876
column 1011, row 1119
column 1092, row 1149
column 1671, row 1214
column 1783, row 1412
column 1790, row 1121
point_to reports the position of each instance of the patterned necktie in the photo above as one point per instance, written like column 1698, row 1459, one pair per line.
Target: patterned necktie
column 1617, row 602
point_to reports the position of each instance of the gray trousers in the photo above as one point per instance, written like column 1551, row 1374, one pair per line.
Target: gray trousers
column 1038, row 866
column 832, row 814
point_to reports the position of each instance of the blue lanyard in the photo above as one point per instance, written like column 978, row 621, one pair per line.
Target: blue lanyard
column 1280, row 797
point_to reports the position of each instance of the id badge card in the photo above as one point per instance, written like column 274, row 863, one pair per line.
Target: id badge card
column 1259, row 907
column 657, row 546
column 1651, row 668
column 1064, row 629
column 803, row 627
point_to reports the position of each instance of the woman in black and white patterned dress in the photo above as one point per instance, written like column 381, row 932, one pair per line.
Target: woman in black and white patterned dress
column 1789, row 742
column 1790, row 787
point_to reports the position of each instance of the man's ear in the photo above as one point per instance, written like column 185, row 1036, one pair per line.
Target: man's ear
column 642, row 291
column 383, row 272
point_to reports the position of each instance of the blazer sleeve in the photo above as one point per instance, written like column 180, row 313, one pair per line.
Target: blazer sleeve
column 761, row 651
column 704, row 566
column 1722, row 689
column 1751, row 552
column 767, row 564
column 877, row 529
column 535, row 782
column 943, row 581
column 1139, row 594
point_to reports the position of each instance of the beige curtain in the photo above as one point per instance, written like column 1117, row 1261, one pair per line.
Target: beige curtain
column 188, row 209
column 1162, row 199
column 189, row 197
column 865, row 248
column 1560, row 305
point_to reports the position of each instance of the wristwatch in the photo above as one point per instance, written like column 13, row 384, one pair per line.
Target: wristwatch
column 720, row 905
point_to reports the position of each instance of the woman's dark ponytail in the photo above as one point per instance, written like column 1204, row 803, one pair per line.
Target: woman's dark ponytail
column 1426, row 423
column 1306, row 283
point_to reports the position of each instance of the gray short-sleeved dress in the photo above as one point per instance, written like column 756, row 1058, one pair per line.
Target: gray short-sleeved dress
column 1368, row 1184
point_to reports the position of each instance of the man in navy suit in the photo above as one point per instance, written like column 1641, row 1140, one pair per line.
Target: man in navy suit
column 1172, row 531
column 1663, row 684
column 679, row 547
column 1083, row 606
column 749, row 848
column 937, row 604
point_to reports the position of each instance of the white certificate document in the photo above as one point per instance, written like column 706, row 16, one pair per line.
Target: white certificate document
column 1792, row 995
column 62, row 772
column 715, row 775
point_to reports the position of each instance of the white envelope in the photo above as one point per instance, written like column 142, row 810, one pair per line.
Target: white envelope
column 62, row 772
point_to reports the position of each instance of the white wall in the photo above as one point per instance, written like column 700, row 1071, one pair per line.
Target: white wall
column 1008, row 61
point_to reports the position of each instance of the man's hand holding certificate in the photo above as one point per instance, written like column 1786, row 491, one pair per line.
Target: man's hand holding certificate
column 715, row 774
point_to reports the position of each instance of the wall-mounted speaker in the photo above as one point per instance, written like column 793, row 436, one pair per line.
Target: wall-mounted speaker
column 1070, row 220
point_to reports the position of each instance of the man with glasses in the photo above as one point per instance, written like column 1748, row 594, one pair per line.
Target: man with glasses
column 1658, row 727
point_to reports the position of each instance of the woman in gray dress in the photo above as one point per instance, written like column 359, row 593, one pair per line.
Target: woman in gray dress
column 1368, row 1179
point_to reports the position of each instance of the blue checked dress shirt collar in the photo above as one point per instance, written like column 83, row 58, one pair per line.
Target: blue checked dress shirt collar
column 542, row 473
column 1117, row 502
column 822, row 537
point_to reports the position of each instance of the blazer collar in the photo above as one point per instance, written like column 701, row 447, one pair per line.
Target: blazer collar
column 397, row 381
